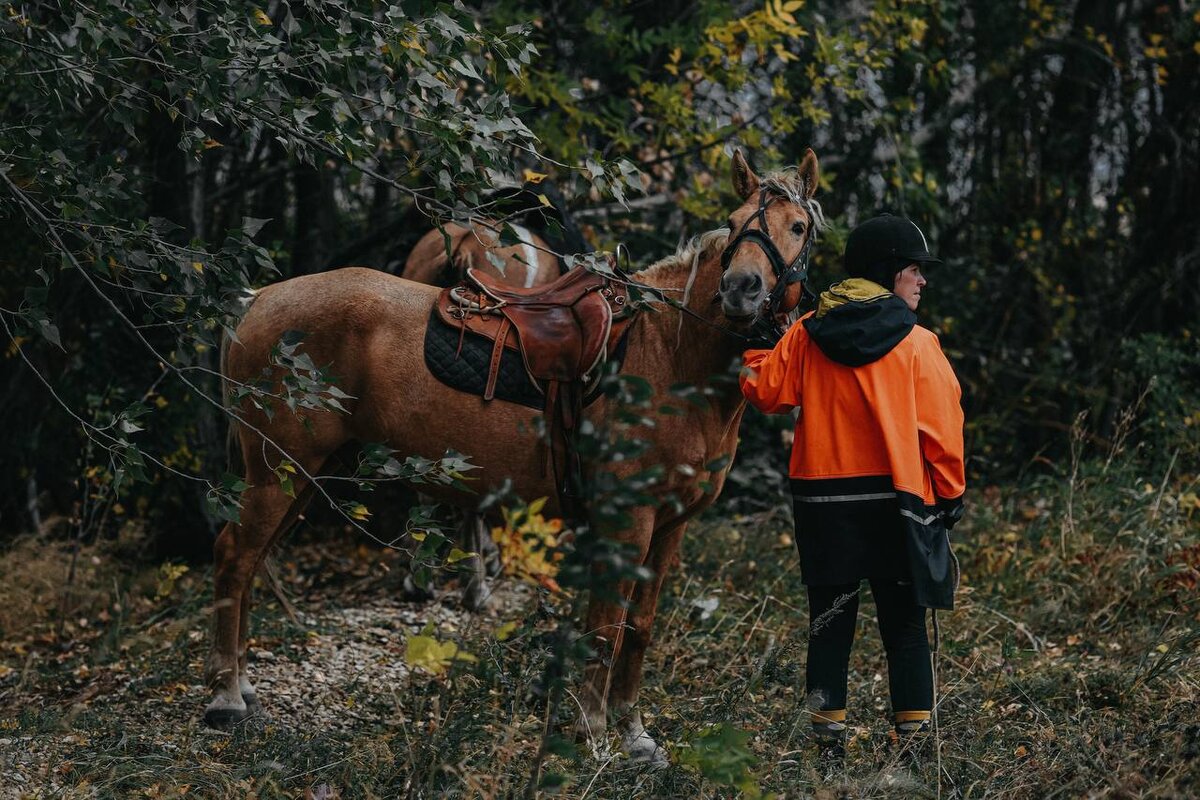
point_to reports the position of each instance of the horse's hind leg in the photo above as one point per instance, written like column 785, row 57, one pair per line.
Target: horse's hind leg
column 477, row 540
column 249, row 694
column 237, row 555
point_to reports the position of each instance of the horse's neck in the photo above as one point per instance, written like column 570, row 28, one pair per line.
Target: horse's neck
column 681, row 348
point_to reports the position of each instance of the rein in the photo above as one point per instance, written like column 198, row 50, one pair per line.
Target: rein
column 622, row 276
column 786, row 274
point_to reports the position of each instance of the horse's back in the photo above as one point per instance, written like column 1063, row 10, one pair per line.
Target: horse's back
column 528, row 263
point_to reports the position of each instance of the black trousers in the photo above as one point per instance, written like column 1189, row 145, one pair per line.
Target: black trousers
column 833, row 616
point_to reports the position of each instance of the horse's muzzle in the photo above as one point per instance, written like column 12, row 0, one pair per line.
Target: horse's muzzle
column 742, row 294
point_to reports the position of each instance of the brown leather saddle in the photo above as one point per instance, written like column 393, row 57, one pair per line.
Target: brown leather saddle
column 564, row 331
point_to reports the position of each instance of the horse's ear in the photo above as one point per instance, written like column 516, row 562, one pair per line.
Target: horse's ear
column 810, row 172
column 745, row 182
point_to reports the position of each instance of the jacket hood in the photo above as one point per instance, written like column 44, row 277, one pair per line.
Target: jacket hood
column 858, row 321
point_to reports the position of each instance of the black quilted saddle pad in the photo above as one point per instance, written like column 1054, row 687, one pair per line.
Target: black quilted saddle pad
column 467, row 369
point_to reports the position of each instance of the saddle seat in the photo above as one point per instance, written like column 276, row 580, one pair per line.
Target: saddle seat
column 563, row 330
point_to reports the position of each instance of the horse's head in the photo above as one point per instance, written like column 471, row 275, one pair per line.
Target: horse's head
column 770, row 236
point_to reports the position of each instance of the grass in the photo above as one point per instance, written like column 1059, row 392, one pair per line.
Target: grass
column 1070, row 669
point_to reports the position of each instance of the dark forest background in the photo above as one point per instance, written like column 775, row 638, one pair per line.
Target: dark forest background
column 155, row 159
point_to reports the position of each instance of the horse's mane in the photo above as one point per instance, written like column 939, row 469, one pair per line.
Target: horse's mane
column 673, row 270
column 789, row 184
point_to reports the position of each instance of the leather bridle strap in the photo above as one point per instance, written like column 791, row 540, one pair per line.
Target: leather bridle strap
column 785, row 273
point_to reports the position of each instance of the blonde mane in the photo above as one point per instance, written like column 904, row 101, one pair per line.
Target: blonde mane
column 683, row 262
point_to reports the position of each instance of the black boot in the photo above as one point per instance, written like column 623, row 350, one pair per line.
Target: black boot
column 830, row 738
column 912, row 741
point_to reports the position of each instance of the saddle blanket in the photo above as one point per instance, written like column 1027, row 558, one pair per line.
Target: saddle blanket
column 467, row 369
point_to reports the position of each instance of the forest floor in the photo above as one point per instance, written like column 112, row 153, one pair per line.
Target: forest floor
column 1068, row 670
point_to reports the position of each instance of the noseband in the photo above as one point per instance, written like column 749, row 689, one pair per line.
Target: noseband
column 785, row 273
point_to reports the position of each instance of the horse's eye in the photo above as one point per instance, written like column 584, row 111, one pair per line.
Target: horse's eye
column 798, row 228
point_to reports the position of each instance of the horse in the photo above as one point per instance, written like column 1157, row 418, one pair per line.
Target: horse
column 527, row 264
column 369, row 326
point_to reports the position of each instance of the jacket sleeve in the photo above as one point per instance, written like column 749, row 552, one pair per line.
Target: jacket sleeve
column 770, row 379
column 940, row 423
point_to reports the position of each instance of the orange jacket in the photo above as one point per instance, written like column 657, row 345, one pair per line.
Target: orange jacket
column 898, row 416
column 880, row 429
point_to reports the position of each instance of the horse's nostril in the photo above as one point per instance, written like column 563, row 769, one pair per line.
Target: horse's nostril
column 741, row 282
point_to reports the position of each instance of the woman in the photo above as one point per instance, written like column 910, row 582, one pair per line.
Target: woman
column 876, row 469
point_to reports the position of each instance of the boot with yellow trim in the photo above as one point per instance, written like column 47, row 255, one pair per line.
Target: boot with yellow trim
column 829, row 733
column 912, row 735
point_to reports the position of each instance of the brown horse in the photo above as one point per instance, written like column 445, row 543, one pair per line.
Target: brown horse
column 369, row 326
column 527, row 264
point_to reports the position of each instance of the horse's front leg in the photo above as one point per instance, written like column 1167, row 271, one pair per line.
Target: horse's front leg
column 605, row 627
column 639, row 626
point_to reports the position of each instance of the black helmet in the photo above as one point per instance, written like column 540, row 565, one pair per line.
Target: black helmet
column 882, row 246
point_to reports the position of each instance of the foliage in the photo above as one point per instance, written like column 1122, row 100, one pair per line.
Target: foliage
column 426, row 652
column 528, row 544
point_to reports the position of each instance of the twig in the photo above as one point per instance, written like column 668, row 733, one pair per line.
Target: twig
column 1034, row 641
column 277, row 588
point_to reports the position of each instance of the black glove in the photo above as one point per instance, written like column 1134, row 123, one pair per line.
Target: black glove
column 764, row 335
column 950, row 511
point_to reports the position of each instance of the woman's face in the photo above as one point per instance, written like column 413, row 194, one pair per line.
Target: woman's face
column 908, row 285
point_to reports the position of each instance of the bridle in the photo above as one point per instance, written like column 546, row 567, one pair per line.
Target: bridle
column 786, row 273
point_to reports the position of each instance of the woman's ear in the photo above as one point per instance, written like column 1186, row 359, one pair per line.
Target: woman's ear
column 745, row 182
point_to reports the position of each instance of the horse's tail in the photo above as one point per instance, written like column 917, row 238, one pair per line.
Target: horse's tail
column 233, row 450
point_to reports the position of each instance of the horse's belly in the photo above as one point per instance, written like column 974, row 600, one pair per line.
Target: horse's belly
column 420, row 416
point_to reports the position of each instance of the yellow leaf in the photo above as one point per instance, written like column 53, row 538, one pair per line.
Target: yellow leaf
column 1196, row 46
column 535, row 177
column 261, row 17
column 417, row 536
column 457, row 555
column 432, row 656
column 544, row 200
column 505, row 631
column 287, row 466
column 196, row 265
column 358, row 511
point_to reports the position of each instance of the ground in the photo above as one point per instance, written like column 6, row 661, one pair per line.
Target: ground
column 1037, row 698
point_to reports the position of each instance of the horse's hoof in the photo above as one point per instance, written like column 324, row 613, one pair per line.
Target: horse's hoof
column 476, row 595
column 223, row 718
column 641, row 749
column 414, row 593
column 253, row 705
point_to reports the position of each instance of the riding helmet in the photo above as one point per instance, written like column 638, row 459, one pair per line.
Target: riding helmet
column 882, row 246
